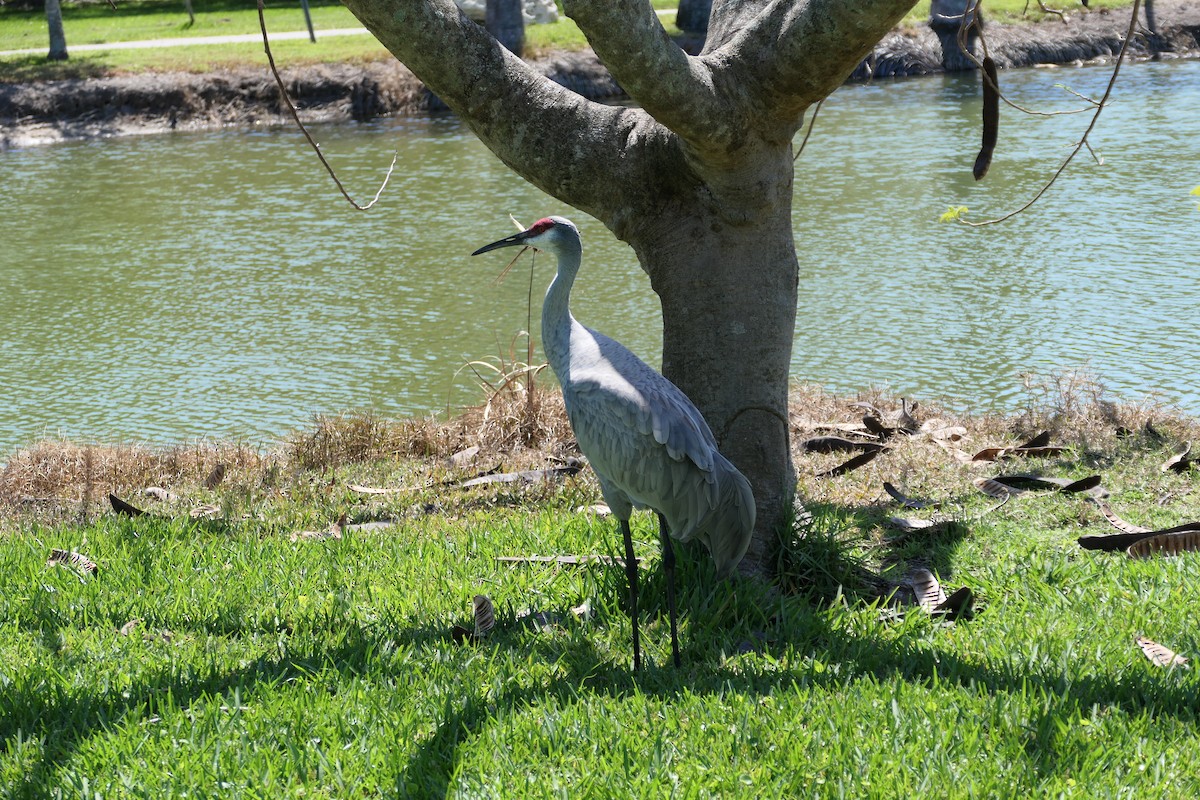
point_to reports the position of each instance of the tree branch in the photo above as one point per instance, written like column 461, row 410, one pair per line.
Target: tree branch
column 815, row 45
column 673, row 87
column 551, row 136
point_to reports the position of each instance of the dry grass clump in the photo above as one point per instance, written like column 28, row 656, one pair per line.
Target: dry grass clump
column 509, row 424
column 521, row 429
column 62, row 469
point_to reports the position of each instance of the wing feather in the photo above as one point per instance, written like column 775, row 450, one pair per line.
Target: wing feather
column 650, row 444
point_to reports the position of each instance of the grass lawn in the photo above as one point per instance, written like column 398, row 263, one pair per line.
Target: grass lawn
column 97, row 23
column 133, row 20
column 262, row 666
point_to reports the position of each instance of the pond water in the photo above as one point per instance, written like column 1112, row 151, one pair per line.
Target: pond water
column 163, row 288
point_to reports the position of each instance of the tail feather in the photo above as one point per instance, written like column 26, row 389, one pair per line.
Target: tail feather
column 722, row 518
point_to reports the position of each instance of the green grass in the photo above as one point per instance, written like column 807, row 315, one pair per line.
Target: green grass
column 97, row 23
column 266, row 668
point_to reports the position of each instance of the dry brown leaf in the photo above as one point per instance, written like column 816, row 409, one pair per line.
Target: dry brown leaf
column 929, row 592
column 485, row 616
column 907, row 524
column 206, row 511
column 583, row 611
column 377, row 490
column 876, row 426
column 563, row 560
column 465, row 457
column 956, row 605
column 1039, row 441
column 991, row 118
column 124, row 509
column 833, row 444
column 905, row 500
column 215, row 477
column 462, row 636
column 994, row 488
column 1159, row 655
column 1043, row 483
column 842, row 427
column 852, row 464
column 1180, row 461
column 524, row 476
column 1117, row 522
column 334, row 531
column 939, row 431
column 961, row 456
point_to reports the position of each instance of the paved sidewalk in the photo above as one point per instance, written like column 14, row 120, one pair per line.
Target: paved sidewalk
column 183, row 41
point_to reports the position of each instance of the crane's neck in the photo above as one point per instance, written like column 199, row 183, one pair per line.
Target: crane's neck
column 556, row 311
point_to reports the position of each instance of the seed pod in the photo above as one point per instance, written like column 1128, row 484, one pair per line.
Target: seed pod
column 991, row 117
column 485, row 616
column 74, row 559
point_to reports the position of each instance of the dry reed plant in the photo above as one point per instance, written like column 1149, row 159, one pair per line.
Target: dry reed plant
column 68, row 470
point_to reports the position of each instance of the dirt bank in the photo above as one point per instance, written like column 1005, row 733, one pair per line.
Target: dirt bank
column 97, row 107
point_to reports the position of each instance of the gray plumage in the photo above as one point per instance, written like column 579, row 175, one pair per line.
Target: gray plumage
column 648, row 444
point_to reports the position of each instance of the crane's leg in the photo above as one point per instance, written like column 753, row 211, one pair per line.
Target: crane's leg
column 668, row 558
column 631, row 574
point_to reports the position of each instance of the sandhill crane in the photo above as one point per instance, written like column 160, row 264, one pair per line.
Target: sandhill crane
column 648, row 444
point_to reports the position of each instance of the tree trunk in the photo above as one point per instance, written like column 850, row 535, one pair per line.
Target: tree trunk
column 946, row 18
column 692, row 16
column 58, row 39
column 697, row 177
column 505, row 21
column 729, row 311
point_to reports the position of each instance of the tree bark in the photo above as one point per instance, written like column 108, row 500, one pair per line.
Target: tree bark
column 58, row 39
column 697, row 178
column 728, row 296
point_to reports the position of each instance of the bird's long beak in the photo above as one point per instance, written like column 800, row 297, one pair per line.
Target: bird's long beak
column 509, row 241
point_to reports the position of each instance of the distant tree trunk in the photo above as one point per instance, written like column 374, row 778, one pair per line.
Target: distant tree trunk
column 946, row 19
column 505, row 21
column 693, row 16
column 312, row 35
column 58, row 39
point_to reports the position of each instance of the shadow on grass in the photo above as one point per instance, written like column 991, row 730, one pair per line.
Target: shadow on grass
column 822, row 564
column 64, row 721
